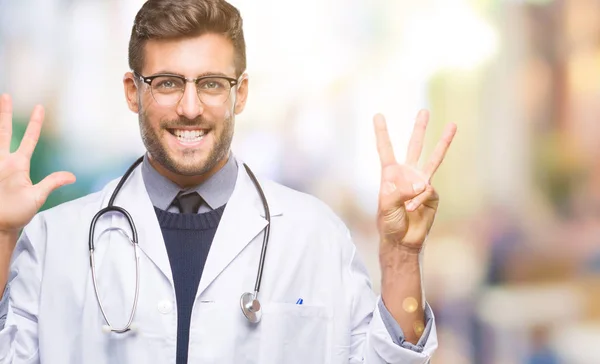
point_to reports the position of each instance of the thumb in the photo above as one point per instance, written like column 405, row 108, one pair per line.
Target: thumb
column 395, row 194
column 57, row 179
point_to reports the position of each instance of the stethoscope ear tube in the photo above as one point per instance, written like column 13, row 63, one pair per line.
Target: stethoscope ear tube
column 134, row 242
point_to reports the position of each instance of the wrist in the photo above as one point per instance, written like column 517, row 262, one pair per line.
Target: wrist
column 399, row 261
column 391, row 254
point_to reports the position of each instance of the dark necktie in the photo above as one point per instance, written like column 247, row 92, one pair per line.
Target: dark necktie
column 188, row 203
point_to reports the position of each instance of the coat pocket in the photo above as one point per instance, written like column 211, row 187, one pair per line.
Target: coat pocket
column 291, row 333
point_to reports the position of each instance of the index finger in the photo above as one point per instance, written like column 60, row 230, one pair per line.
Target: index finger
column 384, row 144
column 440, row 151
column 5, row 124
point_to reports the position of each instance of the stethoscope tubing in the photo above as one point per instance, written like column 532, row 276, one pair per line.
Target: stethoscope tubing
column 134, row 240
column 263, row 251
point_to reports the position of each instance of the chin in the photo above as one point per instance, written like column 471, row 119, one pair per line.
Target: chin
column 191, row 165
column 187, row 162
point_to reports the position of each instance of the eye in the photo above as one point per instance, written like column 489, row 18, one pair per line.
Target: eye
column 167, row 83
column 212, row 84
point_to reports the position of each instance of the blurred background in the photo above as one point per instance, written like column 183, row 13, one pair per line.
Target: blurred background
column 512, row 266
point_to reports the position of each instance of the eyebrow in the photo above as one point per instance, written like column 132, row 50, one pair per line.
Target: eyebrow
column 205, row 74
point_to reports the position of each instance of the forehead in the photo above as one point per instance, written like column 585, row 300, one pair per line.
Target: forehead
column 190, row 57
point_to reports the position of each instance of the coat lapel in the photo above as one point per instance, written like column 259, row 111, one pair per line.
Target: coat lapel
column 134, row 198
column 242, row 221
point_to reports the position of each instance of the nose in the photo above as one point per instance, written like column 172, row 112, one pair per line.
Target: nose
column 189, row 106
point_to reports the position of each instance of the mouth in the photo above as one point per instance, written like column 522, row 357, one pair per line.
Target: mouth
column 189, row 136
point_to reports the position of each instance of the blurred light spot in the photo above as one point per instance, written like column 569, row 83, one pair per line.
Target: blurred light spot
column 410, row 304
column 419, row 327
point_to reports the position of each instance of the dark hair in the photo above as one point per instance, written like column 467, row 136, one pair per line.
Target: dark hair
column 171, row 19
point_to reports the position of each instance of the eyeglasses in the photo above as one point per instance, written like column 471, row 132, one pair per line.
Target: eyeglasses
column 168, row 89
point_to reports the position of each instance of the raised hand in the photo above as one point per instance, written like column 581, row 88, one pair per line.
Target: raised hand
column 20, row 200
column 407, row 201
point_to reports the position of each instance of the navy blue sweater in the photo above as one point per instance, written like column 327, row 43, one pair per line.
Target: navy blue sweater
column 188, row 238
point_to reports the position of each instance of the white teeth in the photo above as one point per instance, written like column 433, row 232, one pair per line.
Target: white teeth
column 189, row 135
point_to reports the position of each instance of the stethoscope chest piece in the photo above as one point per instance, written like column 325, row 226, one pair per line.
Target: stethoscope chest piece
column 251, row 307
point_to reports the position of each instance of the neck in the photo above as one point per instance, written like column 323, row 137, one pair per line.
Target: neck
column 184, row 181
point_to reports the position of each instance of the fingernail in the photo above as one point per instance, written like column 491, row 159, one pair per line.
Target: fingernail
column 419, row 187
column 389, row 188
column 410, row 206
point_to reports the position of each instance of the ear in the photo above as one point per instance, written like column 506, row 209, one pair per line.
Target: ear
column 241, row 94
column 131, row 94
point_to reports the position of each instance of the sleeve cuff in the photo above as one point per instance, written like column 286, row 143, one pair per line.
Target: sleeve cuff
column 395, row 330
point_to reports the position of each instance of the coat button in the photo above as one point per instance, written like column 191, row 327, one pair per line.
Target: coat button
column 165, row 306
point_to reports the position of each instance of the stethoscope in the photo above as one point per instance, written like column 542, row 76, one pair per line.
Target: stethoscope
column 249, row 302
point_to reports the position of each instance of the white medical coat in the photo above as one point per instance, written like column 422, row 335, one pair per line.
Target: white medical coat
column 52, row 315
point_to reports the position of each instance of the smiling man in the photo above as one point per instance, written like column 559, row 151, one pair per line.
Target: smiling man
column 201, row 226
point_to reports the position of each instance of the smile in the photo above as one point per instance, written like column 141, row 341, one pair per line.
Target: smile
column 189, row 136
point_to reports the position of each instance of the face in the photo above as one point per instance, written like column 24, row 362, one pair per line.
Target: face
column 188, row 141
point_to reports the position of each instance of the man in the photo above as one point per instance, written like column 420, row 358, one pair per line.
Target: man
column 200, row 228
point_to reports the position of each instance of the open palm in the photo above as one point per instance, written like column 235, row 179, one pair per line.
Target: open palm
column 20, row 198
